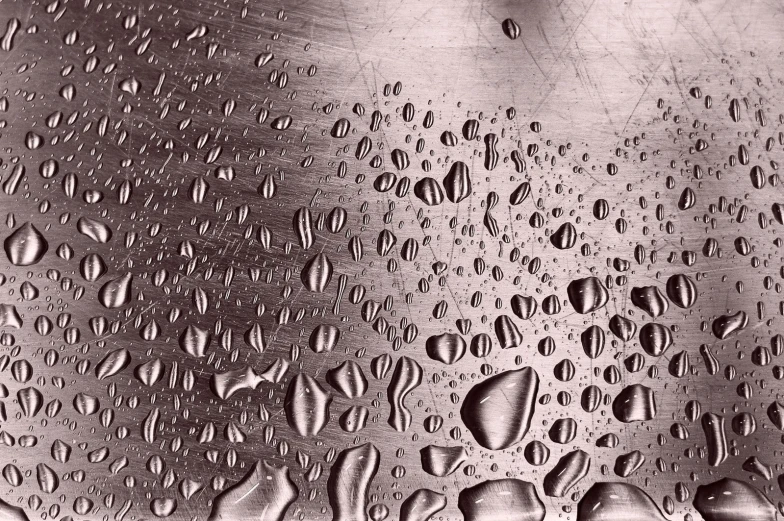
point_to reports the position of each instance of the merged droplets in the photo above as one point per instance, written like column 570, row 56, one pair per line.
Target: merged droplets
column 442, row 461
column 406, row 377
column 266, row 492
column 729, row 499
column 421, row 505
column 716, row 437
column 725, row 325
column 567, row 473
column 613, row 501
column 7, row 510
column 349, row 482
column 511, row 499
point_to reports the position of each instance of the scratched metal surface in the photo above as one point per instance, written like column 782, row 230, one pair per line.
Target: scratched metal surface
column 173, row 241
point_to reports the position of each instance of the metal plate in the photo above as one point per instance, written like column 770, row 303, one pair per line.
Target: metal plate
column 370, row 260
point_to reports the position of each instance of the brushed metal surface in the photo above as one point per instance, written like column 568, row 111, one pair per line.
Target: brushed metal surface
column 160, row 118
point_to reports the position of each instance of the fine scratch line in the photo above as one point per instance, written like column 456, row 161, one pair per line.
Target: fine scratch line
column 254, row 487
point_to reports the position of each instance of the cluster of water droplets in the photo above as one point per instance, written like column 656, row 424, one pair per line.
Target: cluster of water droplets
column 221, row 302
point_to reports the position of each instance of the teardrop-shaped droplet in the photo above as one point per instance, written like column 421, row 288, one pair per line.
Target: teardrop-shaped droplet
column 25, row 246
